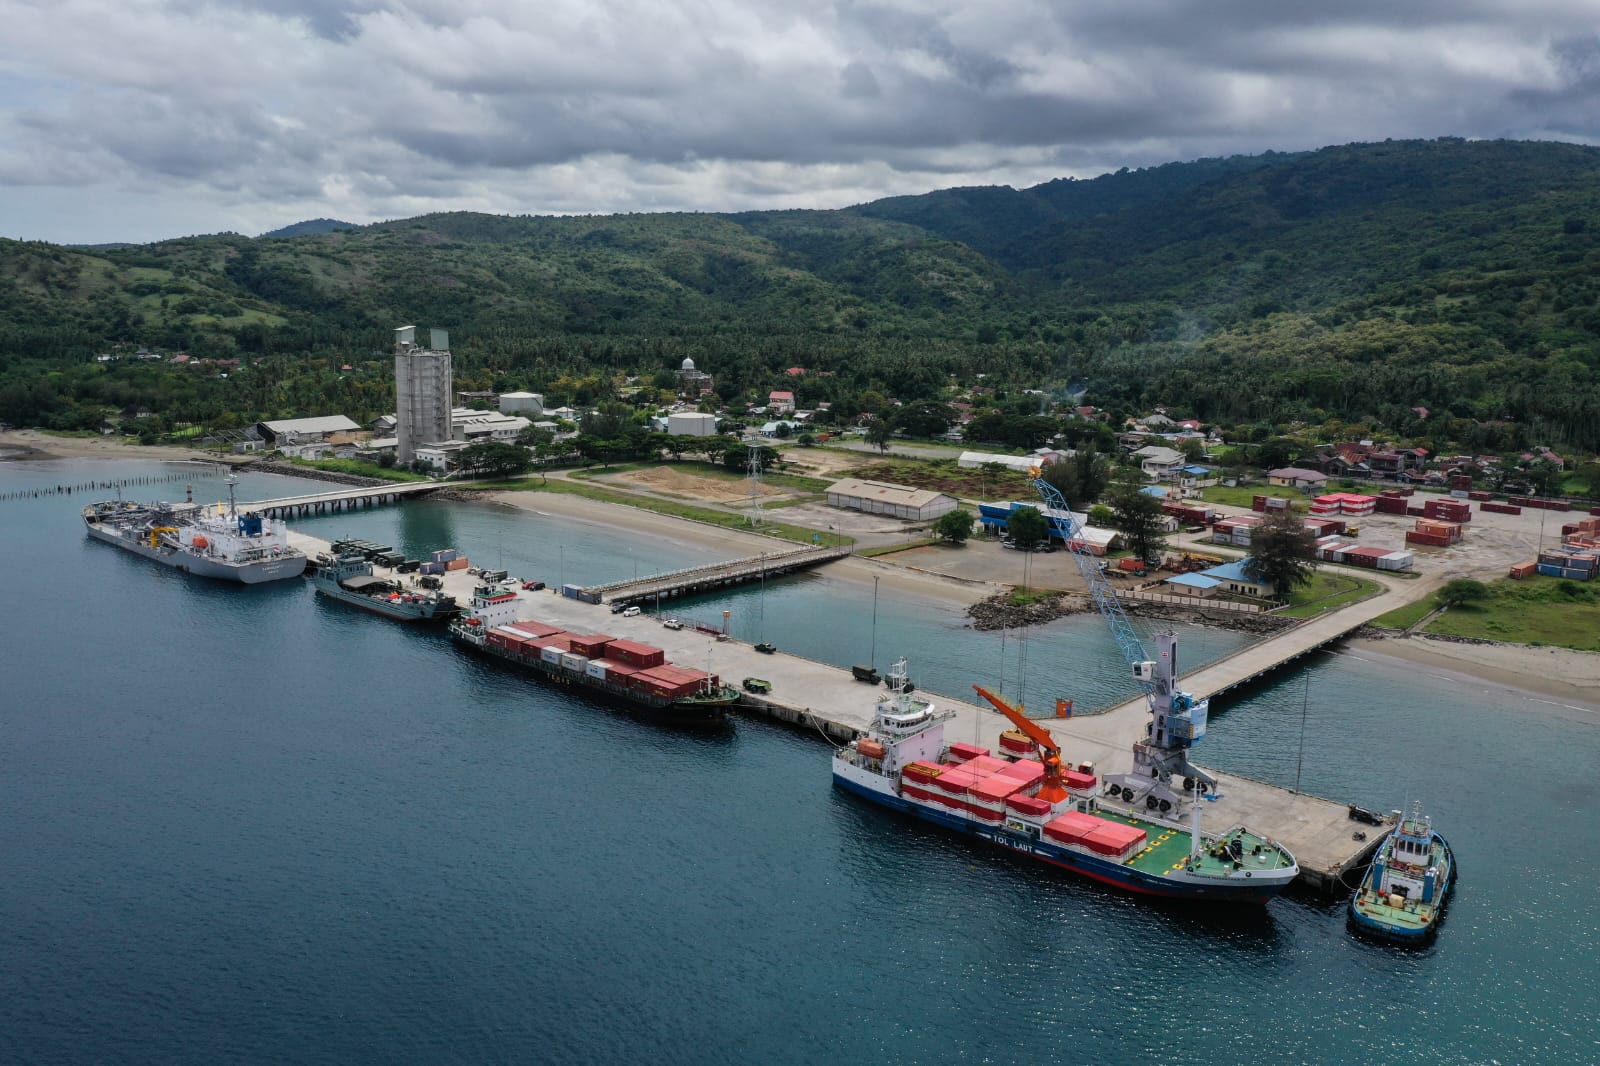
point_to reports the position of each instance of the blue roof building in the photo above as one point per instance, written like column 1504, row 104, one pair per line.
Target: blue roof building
column 1232, row 577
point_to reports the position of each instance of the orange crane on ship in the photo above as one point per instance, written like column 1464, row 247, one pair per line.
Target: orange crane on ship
column 1054, row 788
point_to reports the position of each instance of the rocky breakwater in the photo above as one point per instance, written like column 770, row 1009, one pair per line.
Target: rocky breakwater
column 1001, row 611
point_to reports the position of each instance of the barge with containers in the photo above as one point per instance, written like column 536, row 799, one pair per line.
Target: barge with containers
column 1027, row 801
column 624, row 672
column 349, row 579
column 214, row 541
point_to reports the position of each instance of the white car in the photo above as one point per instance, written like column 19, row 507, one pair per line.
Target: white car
column 630, row 612
column 672, row 623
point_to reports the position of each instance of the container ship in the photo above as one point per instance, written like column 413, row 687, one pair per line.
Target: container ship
column 349, row 579
column 1027, row 801
column 211, row 541
column 633, row 675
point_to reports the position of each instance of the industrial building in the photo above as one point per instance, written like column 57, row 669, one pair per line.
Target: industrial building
column 995, row 518
column 899, row 501
column 522, row 403
column 421, row 390
column 691, row 424
column 305, row 430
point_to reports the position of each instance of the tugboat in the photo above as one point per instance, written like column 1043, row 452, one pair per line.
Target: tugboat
column 349, row 579
column 1403, row 894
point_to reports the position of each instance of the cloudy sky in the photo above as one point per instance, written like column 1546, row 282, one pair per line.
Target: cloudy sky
column 143, row 119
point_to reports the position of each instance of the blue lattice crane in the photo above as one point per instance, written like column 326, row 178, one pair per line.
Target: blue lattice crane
column 1162, row 776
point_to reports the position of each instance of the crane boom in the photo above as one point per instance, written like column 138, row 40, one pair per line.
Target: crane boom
column 1058, row 519
column 1053, row 789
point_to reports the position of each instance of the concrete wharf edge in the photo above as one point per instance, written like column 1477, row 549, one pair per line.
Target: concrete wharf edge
column 1317, row 831
column 715, row 575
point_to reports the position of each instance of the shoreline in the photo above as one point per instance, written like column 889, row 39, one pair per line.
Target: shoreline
column 1560, row 675
column 30, row 445
column 948, row 591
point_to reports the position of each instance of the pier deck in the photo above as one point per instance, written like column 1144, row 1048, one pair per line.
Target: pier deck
column 819, row 696
column 341, row 499
column 715, row 575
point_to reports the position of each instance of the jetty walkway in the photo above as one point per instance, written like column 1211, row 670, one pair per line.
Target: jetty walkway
column 715, row 575
column 342, row 499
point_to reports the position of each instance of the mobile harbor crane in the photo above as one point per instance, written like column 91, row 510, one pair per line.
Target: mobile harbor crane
column 1162, row 777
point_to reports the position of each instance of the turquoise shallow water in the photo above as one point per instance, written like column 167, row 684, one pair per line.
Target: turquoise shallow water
column 244, row 825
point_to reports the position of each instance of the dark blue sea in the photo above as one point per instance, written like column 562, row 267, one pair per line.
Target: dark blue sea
column 249, row 825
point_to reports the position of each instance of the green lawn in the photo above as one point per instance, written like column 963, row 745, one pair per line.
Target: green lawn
column 1244, row 495
column 1407, row 616
column 776, row 478
column 1532, row 610
column 1329, row 590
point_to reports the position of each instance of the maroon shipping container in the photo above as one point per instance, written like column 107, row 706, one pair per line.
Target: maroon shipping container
column 1432, row 539
column 1258, row 503
column 636, row 654
column 1418, row 511
column 1594, row 510
column 1390, row 505
column 593, row 647
column 1500, row 508
column 530, row 628
column 1478, row 496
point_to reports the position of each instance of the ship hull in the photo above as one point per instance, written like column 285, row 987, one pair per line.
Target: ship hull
column 423, row 611
column 255, row 573
column 1403, row 928
column 702, row 714
column 1114, row 874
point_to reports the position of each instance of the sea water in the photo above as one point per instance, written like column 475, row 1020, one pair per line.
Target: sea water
column 245, row 825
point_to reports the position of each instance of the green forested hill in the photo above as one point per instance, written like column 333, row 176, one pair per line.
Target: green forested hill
column 1352, row 283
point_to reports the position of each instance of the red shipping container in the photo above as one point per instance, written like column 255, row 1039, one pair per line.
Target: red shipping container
column 1029, row 805
column 922, row 771
column 1594, row 510
column 956, row 781
column 995, row 789
column 457, row 564
column 1079, row 781
column 617, row 671
column 963, row 752
column 1478, row 496
column 1414, row 511
column 1114, row 838
column 1025, row 770
column 1072, row 827
column 984, row 765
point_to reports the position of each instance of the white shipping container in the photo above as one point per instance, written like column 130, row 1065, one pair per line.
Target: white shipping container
column 551, row 655
column 1396, row 561
column 575, row 663
column 596, row 670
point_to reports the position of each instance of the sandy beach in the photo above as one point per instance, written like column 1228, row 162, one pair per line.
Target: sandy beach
column 19, row 444
column 1560, row 675
column 892, row 578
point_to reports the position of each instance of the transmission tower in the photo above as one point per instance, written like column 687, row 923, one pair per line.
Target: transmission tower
column 754, row 464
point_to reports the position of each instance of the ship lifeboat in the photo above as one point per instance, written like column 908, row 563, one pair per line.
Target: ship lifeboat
column 199, row 542
column 872, row 749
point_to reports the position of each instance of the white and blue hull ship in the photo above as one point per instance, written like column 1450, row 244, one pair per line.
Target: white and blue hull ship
column 1037, row 807
column 214, row 541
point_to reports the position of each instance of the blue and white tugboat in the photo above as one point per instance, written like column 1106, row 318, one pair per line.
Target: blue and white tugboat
column 1403, row 893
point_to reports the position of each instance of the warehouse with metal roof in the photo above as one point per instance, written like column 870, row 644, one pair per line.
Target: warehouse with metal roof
column 899, row 501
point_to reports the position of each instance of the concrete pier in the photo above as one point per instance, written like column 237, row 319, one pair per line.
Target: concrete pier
column 820, row 697
column 715, row 575
column 339, row 499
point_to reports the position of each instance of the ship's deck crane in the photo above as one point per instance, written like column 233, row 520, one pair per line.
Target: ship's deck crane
column 1162, row 775
column 1054, row 789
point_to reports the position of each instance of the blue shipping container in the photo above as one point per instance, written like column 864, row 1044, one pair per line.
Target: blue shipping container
column 1549, row 569
column 571, row 591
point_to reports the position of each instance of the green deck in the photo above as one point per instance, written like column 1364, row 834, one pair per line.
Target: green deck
column 1167, row 849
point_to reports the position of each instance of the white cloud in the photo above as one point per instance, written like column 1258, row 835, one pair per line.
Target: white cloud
column 249, row 113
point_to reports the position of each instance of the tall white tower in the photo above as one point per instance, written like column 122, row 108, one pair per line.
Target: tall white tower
column 422, row 390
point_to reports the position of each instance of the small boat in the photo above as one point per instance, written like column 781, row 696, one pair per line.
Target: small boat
column 766, row 649
column 757, row 685
column 1403, row 894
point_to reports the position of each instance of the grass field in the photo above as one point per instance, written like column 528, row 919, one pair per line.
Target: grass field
column 943, row 475
column 1405, row 617
column 1329, row 590
column 361, row 469
column 1243, row 495
column 1533, row 610
column 724, row 519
